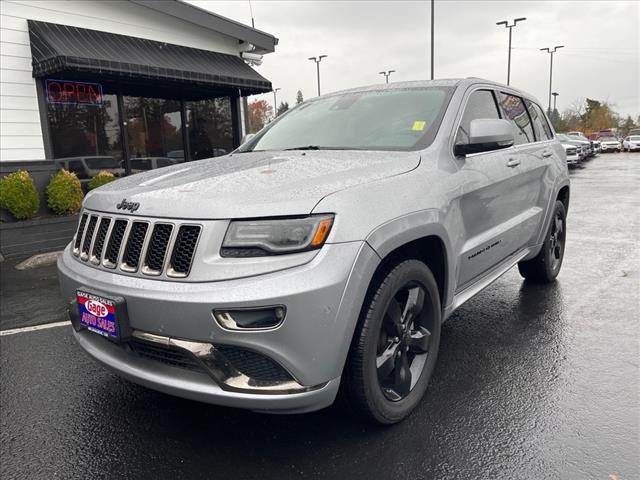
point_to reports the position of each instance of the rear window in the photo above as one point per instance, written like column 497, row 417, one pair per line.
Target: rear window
column 515, row 111
column 539, row 120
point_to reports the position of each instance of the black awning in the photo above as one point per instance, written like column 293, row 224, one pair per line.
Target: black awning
column 61, row 48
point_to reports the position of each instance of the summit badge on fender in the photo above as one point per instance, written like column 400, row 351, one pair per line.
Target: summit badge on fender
column 131, row 206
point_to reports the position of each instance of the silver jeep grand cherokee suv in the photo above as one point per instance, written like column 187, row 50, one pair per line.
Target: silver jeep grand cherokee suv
column 324, row 254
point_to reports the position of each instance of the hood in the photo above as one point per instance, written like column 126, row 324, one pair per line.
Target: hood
column 245, row 185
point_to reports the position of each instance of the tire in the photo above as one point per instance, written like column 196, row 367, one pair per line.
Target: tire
column 545, row 267
column 377, row 389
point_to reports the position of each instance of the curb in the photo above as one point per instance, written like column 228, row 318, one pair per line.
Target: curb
column 40, row 260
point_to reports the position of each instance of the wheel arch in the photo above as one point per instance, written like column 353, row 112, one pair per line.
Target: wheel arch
column 419, row 235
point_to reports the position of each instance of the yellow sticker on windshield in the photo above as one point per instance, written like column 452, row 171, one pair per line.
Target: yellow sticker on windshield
column 418, row 125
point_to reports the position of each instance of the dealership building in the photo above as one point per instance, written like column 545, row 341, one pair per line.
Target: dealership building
column 118, row 85
column 124, row 86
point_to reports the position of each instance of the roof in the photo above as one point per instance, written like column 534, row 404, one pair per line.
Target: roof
column 62, row 48
column 443, row 82
column 264, row 42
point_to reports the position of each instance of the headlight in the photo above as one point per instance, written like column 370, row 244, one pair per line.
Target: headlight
column 257, row 238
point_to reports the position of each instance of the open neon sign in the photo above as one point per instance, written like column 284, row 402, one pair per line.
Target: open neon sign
column 74, row 93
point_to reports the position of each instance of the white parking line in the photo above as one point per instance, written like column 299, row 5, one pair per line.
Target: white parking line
column 13, row 331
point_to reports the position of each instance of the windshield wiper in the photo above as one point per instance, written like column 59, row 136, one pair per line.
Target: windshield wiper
column 308, row 147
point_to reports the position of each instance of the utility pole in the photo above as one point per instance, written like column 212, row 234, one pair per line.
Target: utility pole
column 318, row 60
column 432, row 34
column 555, row 97
column 551, row 52
column 510, row 27
column 275, row 103
column 386, row 75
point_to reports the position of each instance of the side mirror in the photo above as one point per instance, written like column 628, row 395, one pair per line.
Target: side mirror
column 247, row 137
column 486, row 134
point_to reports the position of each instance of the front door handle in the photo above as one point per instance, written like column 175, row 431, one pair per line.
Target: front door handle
column 546, row 154
column 513, row 162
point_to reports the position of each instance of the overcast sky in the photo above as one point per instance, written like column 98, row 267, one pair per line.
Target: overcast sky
column 601, row 58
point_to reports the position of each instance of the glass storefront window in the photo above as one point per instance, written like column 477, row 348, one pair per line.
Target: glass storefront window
column 154, row 132
column 210, row 128
column 86, row 127
column 85, row 135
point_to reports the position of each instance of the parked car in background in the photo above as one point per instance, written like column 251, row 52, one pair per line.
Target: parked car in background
column 585, row 143
column 89, row 166
column 325, row 252
column 572, row 149
column 634, row 131
column 610, row 144
column 142, row 164
column 631, row 143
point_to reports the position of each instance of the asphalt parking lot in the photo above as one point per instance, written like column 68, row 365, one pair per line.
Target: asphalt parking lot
column 532, row 383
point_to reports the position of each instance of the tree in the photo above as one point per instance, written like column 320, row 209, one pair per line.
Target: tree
column 626, row 125
column 588, row 116
column 259, row 114
column 283, row 107
column 299, row 98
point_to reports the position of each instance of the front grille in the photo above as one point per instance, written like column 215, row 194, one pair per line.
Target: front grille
column 101, row 236
column 166, row 354
column 86, row 244
column 83, row 221
column 117, row 234
column 131, row 257
column 157, row 250
column 184, row 249
column 254, row 365
column 105, row 240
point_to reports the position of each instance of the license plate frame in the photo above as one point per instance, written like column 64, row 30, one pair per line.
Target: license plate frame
column 103, row 314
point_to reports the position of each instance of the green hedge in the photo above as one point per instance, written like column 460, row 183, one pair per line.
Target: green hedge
column 102, row 178
column 64, row 193
column 18, row 194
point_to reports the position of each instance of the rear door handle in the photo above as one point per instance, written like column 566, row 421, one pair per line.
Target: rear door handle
column 513, row 162
column 546, row 154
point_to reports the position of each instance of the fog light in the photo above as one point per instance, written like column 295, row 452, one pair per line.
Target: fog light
column 250, row 318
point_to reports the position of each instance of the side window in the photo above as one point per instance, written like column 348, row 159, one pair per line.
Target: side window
column 540, row 124
column 514, row 110
column 75, row 166
column 481, row 104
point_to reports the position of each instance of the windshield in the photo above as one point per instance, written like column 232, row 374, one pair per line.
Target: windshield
column 97, row 163
column 563, row 137
column 635, row 138
column 398, row 119
column 609, row 139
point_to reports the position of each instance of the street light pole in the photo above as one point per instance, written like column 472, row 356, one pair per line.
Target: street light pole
column 555, row 97
column 318, row 60
column 551, row 52
column 510, row 27
column 432, row 34
column 386, row 75
column 275, row 103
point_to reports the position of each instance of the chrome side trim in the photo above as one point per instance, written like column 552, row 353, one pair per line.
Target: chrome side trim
column 470, row 291
column 221, row 371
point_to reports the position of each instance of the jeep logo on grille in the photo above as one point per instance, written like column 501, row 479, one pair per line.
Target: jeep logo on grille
column 131, row 206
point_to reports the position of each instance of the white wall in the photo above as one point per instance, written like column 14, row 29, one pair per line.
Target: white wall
column 20, row 127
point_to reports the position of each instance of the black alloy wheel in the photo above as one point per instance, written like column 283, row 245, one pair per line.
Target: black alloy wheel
column 395, row 344
column 404, row 342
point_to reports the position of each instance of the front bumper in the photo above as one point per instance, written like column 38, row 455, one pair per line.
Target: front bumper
column 573, row 159
column 610, row 148
column 322, row 298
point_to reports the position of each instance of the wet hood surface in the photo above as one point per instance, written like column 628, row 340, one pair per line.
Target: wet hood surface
column 249, row 184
